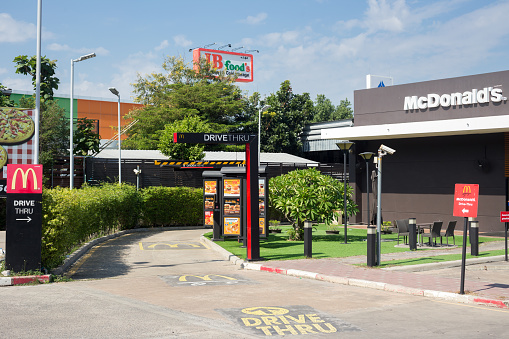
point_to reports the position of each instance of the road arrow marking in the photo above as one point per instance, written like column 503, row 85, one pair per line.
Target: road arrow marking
column 27, row 219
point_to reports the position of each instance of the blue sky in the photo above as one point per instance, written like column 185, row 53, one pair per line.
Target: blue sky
column 321, row 46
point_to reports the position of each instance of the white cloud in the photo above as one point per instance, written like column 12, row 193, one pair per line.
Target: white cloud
column 162, row 45
column 15, row 31
column 180, row 40
column 254, row 20
column 84, row 50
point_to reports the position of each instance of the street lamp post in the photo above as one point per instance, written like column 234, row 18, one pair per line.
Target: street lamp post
column 382, row 151
column 115, row 92
column 366, row 156
column 260, row 111
column 71, row 119
column 344, row 145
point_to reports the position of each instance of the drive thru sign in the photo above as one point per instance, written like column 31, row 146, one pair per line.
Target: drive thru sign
column 466, row 197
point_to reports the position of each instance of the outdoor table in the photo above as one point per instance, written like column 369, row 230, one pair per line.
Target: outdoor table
column 420, row 229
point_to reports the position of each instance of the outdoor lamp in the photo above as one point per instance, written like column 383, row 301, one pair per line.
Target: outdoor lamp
column 115, row 92
column 366, row 156
column 71, row 114
column 344, row 145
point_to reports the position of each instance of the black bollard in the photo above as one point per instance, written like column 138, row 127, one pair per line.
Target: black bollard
column 308, row 239
column 371, row 242
column 474, row 237
column 412, row 231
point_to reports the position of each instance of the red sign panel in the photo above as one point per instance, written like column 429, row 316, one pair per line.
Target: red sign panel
column 504, row 216
column 24, row 178
column 466, row 197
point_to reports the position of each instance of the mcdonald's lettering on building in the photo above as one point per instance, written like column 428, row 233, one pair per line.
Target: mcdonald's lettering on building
column 24, row 178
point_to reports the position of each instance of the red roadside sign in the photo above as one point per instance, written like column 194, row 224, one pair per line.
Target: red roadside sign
column 466, row 198
column 504, row 216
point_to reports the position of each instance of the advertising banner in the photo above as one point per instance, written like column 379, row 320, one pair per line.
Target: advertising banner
column 238, row 64
column 466, row 198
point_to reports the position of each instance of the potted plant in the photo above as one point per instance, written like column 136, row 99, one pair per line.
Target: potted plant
column 386, row 227
column 332, row 229
column 274, row 226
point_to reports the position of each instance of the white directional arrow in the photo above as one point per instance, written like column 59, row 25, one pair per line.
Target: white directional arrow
column 27, row 219
column 464, row 211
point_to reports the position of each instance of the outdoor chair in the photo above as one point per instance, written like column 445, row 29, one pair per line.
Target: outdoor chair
column 435, row 233
column 449, row 232
column 402, row 226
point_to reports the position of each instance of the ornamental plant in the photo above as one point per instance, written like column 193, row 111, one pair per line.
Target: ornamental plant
column 308, row 195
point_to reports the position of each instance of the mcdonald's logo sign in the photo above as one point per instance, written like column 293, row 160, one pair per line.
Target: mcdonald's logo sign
column 24, row 178
column 467, row 189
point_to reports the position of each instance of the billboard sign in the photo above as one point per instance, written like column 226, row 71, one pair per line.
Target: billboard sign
column 24, row 179
column 231, row 63
column 466, row 198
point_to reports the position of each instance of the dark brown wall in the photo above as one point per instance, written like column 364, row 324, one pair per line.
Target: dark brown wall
column 418, row 180
column 385, row 105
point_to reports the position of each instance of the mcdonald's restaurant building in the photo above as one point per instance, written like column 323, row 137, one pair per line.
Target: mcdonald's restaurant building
column 444, row 132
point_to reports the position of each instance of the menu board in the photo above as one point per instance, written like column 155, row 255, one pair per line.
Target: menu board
column 209, row 218
column 209, row 202
column 231, row 226
column 262, row 226
column 261, row 187
column 231, row 187
column 231, row 207
column 210, row 186
column 261, row 207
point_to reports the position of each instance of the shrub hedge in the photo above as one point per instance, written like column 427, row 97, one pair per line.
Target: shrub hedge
column 72, row 217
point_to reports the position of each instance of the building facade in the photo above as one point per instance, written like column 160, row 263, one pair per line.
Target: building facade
column 444, row 132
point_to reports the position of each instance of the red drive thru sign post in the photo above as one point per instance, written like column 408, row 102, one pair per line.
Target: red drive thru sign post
column 504, row 217
column 466, row 198
column 23, row 217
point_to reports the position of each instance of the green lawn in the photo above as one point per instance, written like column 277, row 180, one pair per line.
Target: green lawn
column 277, row 247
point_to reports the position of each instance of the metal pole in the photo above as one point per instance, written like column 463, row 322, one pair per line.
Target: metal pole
column 37, row 117
column 379, row 210
column 367, row 189
column 463, row 257
column 119, row 145
column 71, row 141
column 345, row 222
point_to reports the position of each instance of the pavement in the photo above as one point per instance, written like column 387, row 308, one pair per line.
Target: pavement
column 486, row 278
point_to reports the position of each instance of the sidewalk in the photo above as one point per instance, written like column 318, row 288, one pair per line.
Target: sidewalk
column 435, row 283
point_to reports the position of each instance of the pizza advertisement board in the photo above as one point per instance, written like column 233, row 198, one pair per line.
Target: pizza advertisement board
column 16, row 131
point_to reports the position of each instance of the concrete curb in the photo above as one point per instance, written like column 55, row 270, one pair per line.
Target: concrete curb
column 11, row 281
column 466, row 299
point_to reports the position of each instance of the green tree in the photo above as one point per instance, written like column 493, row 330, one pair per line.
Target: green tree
column 283, row 123
column 323, row 109
column 5, row 101
column 308, row 195
column 85, row 138
column 48, row 82
column 182, row 91
column 183, row 151
column 53, row 130
column 343, row 111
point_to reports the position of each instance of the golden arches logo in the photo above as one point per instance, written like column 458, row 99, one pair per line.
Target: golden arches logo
column 24, row 178
column 205, row 277
column 269, row 310
column 467, row 189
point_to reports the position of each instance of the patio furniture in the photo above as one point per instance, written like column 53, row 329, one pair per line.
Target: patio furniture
column 449, row 232
column 402, row 226
column 435, row 233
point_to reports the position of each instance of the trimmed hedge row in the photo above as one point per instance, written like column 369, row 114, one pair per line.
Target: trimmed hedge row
column 72, row 217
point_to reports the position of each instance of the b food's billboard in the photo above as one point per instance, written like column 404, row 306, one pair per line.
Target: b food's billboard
column 231, row 63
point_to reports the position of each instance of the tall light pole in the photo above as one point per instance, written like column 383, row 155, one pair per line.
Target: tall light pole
column 260, row 111
column 115, row 92
column 37, row 116
column 344, row 145
column 366, row 156
column 382, row 151
column 71, row 117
